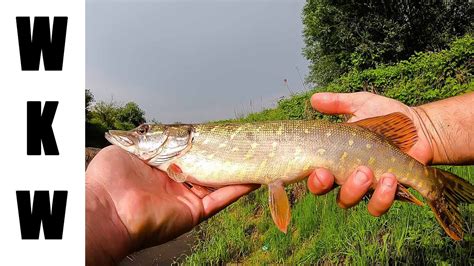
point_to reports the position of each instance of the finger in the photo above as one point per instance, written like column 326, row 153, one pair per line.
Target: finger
column 338, row 103
column 384, row 195
column 222, row 197
column 355, row 187
column 320, row 181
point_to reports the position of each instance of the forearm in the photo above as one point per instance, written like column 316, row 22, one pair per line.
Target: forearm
column 107, row 239
column 449, row 126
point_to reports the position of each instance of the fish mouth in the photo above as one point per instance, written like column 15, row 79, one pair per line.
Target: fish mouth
column 121, row 138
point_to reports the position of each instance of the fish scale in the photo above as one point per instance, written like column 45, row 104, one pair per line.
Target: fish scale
column 307, row 136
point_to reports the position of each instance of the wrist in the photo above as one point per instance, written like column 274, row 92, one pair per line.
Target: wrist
column 107, row 239
column 424, row 128
column 431, row 123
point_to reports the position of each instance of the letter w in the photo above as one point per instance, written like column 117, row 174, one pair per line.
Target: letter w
column 31, row 218
column 51, row 46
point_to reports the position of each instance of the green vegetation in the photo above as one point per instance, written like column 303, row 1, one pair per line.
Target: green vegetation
column 344, row 35
column 103, row 116
column 320, row 232
column 424, row 77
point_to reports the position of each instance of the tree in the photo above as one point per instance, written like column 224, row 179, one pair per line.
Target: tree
column 89, row 101
column 104, row 114
column 345, row 35
column 131, row 113
column 111, row 115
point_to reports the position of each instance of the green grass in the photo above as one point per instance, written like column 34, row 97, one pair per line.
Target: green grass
column 320, row 232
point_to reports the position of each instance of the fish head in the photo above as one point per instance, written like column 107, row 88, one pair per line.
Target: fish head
column 145, row 141
column 154, row 143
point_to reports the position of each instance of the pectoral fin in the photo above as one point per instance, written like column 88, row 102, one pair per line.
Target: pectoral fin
column 404, row 195
column 279, row 205
column 175, row 172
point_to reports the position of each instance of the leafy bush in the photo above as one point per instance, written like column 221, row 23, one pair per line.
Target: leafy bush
column 341, row 36
column 109, row 115
column 114, row 116
column 424, row 77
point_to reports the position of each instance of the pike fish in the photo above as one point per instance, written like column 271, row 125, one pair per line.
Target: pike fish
column 279, row 153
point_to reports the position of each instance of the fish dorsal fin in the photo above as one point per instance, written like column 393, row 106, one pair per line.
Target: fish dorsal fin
column 395, row 127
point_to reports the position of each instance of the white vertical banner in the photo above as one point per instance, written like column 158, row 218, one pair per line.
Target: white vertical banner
column 62, row 244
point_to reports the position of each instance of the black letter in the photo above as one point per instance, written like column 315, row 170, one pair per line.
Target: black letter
column 30, row 219
column 52, row 46
column 39, row 128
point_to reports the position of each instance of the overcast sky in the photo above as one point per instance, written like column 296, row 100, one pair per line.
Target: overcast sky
column 194, row 61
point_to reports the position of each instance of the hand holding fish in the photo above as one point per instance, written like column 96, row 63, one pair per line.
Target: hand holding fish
column 131, row 205
column 356, row 186
column 431, row 146
column 362, row 105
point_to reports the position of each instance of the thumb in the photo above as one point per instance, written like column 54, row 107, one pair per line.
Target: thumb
column 338, row 103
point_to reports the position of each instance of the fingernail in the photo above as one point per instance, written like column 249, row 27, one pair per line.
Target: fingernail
column 388, row 182
column 360, row 178
column 318, row 179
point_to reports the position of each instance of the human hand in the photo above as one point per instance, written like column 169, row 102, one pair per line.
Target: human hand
column 363, row 105
column 146, row 206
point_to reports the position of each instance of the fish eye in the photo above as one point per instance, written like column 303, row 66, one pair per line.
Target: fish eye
column 143, row 129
